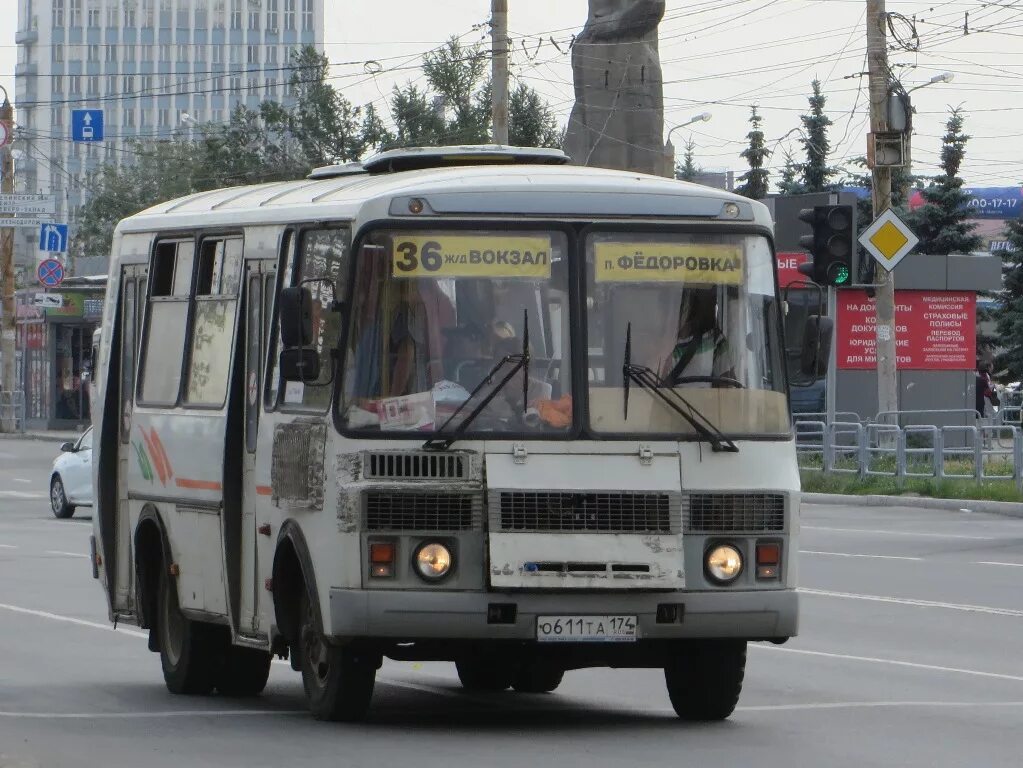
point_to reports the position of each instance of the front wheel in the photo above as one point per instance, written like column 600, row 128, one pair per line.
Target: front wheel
column 704, row 679
column 189, row 650
column 243, row 671
column 62, row 509
column 338, row 682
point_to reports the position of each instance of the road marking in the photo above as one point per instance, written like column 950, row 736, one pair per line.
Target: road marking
column 21, row 480
column 871, row 704
column 137, row 715
column 900, row 533
column 71, row 620
column 892, row 662
column 849, row 554
column 7, row 546
column 910, row 601
column 991, row 562
column 65, row 554
column 23, row 495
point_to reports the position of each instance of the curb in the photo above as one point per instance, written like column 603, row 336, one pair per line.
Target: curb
column 1006, row 508
column 57, row 437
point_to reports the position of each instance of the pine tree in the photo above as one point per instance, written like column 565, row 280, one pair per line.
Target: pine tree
column 816, row 172
column 790, row 183
column 754, row 181
column 1008, row 313
column 687, row 170
column 942, row 222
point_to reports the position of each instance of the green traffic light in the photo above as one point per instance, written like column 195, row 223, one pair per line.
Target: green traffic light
column 839, row 274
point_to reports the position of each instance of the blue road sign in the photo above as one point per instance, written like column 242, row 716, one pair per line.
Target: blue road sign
column 50, row 273
column 86, row 125
column 53, row 238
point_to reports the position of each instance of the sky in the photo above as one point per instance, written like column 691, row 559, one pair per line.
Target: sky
column 722, row 57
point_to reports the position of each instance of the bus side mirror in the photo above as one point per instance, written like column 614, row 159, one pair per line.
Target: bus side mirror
column 296, row 318
column 816, row 352
column 300, row 364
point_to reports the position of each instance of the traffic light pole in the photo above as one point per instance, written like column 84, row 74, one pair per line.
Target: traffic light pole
column 881, row 184
column 7, row 382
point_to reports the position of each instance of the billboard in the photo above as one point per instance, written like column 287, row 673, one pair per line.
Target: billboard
column 934, row 330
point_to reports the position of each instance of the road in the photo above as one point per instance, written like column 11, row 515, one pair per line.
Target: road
column 910, row 654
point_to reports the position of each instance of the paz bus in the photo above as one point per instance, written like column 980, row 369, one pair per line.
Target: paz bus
column 469, row 404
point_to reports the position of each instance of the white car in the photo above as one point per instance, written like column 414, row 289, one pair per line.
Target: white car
column 71, row 479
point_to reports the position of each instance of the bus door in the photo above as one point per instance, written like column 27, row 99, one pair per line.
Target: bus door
column 256, row 548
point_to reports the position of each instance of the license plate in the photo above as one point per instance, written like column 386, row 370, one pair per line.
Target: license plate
column 586, row 629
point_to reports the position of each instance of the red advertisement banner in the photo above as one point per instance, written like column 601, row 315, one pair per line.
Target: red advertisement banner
column 934, row 330
column 788, row 267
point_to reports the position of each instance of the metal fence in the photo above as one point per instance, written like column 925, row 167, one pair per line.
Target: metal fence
column 983, row 451
column 12, row 411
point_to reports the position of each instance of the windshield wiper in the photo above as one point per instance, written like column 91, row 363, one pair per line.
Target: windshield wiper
column 649, row 380
column 441, row 440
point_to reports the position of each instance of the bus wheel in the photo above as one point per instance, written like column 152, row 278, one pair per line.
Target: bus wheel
column 188, row 649
column 537, row 677
column 338, row 682
column 483, row 674
column 243, row 671
column 704, row 679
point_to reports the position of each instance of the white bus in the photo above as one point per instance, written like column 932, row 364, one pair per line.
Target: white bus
column 467, row 404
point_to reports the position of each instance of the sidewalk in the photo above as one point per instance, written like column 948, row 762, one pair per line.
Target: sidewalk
column 1007, row 508
column 54, row 435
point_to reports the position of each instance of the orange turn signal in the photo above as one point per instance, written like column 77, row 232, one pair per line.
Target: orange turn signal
column 768, row 554
column 381, row 552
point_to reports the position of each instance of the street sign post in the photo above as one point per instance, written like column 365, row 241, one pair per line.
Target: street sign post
column 33, row 221
column 53, row 238
column 888, row 239
column 50, row 273
column 28, row 205
column 86, row 125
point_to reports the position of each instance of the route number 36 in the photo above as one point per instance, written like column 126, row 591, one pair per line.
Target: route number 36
column 411, row 257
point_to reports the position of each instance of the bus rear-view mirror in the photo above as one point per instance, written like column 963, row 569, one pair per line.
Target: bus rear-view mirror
column 300, row 364
column 296, row 318
column 816, row 351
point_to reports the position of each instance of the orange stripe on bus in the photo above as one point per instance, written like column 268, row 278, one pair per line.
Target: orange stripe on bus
column 163, row 454
column 201, row 485
column 155, row 455
column 264, row 490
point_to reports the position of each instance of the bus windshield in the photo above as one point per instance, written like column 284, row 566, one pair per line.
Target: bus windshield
column 699, row 313
column 433, row 315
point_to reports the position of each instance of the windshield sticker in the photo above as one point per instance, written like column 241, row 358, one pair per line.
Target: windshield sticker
column 409, row 412
column 716, row 263
column 442, row 255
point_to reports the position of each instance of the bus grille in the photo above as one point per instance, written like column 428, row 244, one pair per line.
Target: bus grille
column 587, row 512
column 414, row 466
column 733, row 512
column 403, row 511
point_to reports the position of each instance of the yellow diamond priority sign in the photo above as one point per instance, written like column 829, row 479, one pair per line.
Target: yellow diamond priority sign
column 888, row 239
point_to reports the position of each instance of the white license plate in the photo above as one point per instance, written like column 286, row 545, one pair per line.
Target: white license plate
column 586, row 629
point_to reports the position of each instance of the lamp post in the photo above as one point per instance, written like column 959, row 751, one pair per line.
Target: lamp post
column 7, row 350
column 669, row 150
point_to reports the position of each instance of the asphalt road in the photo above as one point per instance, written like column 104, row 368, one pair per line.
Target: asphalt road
column 910, row 654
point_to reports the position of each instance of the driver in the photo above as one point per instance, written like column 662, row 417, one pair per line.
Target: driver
column 701, row 349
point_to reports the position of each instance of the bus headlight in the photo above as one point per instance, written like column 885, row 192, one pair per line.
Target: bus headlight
column 724, row 563
column 433, row 561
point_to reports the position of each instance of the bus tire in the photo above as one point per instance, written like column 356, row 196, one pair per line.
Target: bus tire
column 188, row 649
column 704, row 679
column 243, row 671
column 338, row 681
column 537, row 677
column 483, row 674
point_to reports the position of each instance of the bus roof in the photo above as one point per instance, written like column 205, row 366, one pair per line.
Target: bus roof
column 541, row 190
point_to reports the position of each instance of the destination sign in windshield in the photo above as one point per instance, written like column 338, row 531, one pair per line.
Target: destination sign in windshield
column 634, row 262
column 436, row 254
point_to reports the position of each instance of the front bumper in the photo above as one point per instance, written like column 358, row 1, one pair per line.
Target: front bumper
column 417, row 615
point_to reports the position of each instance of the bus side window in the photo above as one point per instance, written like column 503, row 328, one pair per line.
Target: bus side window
column 216, row 302
column 128, row 347
column 168, row 315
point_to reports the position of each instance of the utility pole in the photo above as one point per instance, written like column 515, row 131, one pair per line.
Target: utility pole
column 499, row 69
column 881, row 184
column 7, row 384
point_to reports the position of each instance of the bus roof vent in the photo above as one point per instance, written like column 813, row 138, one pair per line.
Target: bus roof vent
column 416, row 158
column 333, row 171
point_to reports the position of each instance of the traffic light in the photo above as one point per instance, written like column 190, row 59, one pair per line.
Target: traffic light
column 831, row 245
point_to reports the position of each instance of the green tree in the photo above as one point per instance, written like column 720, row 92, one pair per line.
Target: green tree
column 754, row 181
column 815, row 171
column 790, row 183
column 1008, row 313
column 942, row 222
column 687, row 170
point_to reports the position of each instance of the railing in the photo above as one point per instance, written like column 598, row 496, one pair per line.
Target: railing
column 983, row 452
column 12, row 411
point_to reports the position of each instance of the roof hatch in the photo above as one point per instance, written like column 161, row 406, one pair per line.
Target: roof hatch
column 417, row 158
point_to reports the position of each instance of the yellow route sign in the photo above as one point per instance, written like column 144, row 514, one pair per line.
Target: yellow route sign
column 888, row 239
column 645, row 262
column 438, row 254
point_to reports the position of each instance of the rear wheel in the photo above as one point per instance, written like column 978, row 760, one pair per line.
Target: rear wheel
column 62, row 509
column 538, row 677
column 189, row 650
column 705, row 678
column 338, row 682
column 483, row 674
column 243, row 671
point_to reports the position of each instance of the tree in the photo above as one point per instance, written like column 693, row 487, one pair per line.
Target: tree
column 790, row 183
column 754, row 181
column 942, row 222
column 687, row 170
column 816, row 172
column 1008, row 313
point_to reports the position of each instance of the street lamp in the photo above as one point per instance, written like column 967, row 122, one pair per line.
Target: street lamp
column 669, row 150
column 944, row 77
